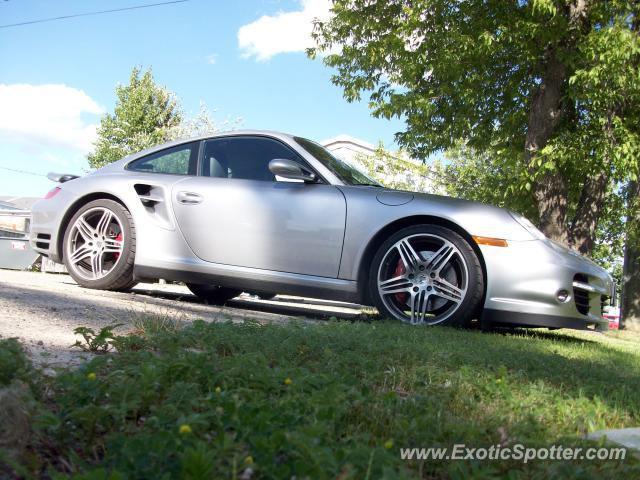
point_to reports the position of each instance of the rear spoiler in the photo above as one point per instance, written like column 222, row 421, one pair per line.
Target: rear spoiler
column 61, row 177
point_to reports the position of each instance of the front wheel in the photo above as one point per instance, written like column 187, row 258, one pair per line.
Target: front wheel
column 427, row 274
column 213, row 294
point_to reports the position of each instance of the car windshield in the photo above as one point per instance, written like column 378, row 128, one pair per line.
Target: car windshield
column 345, row 172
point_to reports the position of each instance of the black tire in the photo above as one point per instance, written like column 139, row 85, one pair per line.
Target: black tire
column 464, row 267
column 120, row 277
column 213, row 294
column 128, row 286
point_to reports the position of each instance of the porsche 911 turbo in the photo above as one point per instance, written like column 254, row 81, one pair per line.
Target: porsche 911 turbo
column 274, row 213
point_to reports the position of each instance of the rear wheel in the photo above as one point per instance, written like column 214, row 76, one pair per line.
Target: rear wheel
column 213, row 294
column 427, row 274
column 100, row 246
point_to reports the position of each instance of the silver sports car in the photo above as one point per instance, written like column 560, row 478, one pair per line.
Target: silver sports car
column 274, row 213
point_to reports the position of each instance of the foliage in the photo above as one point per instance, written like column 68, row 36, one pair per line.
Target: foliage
column 144, row 115
column 484, row 177
column 631, row 274
column 336, row 400
column 18, row 388
column 470, row 71
column 203, row 123
column 397, row 170
column 100, row 342
column 488, row 178
column 146, row 324
column 14, row 365
column 609, row 249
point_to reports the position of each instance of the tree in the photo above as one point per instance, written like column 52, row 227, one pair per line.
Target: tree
column 145, row 115
column 631, row 290
column 484, row 177
column 550, row 87
column 202, row 123
column 487, row 178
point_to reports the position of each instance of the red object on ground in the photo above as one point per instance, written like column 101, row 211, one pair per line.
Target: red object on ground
column 614, row 321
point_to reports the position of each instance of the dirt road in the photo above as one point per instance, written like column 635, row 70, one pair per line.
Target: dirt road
column 43, row 309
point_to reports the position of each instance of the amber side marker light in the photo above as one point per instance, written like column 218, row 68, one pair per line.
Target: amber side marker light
column 494, row 242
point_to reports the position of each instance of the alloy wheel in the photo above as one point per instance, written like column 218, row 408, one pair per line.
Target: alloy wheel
column 95, row 243
column 423, row 279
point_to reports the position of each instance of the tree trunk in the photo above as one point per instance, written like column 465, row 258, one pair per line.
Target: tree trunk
column 631, row 274
column 585, row 222
column 547, row 110
column 549, row 190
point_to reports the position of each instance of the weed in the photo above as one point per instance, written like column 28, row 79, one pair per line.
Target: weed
column 101, row 342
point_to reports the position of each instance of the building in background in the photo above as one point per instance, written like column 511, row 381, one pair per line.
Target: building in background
column 392, row 169
column 15, row 251
column 349, row 148
column 21, row 203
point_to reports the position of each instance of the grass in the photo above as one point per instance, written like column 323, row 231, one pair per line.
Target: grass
column 332, row 400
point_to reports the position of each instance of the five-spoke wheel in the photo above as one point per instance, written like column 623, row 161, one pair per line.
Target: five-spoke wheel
column 99, row 246
column 96, row 243
column 426, row 274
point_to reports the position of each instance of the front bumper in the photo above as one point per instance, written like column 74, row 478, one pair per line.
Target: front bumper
column 523, row 281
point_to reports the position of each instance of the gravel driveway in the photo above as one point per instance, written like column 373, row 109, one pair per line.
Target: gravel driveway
column 43, row 309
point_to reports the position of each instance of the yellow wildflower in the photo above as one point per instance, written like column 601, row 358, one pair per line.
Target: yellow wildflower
column 388, row 444
column 218, row 389
column 248, row 460
column 288, row 381
column 91, row 376
column 184, row 429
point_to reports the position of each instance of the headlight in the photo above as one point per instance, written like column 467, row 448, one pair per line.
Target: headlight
column 528, row 226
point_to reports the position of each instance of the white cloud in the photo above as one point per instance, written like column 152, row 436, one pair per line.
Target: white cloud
column 47, row 115
column 212, row 59
column 283, row 32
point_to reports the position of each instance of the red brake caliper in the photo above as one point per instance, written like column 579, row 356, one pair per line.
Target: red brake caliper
column 119, row 239
column 400, row 270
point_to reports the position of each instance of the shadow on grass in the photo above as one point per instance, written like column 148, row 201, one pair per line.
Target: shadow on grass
column 543, row 334
column 575, row 367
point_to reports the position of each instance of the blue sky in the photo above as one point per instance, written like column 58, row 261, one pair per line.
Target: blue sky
column 243, row 59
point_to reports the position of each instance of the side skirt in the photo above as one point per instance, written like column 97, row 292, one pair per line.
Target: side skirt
column 249, row 279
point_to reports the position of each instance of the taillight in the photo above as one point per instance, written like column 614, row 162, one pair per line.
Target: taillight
column 52, row 193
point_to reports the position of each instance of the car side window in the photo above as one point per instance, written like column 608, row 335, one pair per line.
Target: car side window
column 178, row 160
column 244, row 158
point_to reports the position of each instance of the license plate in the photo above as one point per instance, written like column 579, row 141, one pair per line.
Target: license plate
column 18, row 245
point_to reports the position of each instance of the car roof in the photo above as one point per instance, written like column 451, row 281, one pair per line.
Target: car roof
column 120, row 163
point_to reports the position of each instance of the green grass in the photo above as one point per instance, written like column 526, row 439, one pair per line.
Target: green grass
column 358, row 393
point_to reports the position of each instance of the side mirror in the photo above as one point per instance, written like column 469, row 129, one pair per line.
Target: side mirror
column 291, row 170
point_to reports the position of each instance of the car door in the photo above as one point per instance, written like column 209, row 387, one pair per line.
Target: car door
column 237, row 213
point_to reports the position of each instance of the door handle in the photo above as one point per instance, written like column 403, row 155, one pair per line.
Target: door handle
column 189, row 198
